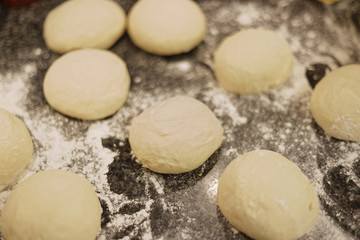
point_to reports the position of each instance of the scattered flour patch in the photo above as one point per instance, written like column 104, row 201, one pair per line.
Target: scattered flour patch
column 282, row 148
column 223, row 106
column 214, row 31
column 13, row 88
column 137, row 79
column 184, row 66
column 248, row 15
column 212, row 189
column 37, row 51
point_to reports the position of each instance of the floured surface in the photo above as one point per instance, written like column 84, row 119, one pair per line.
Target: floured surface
column 138, row 203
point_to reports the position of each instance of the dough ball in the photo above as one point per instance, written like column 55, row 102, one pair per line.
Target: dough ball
column 84, row 24
column 16, row 147
column 335, row 103
column 267, row 197
column 175, row 136
column 87, row 84
column 54, row 204
column 252, row 60
column 166, row 27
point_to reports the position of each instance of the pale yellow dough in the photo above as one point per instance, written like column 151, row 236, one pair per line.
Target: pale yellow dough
column 267, row 197
column 16, row 147
column 166, row 27
column 87, row 84
column 175, row 136
column 52, row 205
column 252, row 60
column 335, row 103
column 79, row 24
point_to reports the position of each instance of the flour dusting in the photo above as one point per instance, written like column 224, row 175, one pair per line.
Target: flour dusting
column 140, row 204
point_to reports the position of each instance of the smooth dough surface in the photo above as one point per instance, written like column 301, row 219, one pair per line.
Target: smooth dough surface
column 266, row 196
column 166, row 27
column 53, row 204
column 335, row 103
column 252, row 60
column 84, row 24
column 175, row 136
column 16, row 147
column 87, row 84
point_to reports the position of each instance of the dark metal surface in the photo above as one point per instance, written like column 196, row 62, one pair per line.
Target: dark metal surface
column 140, row 204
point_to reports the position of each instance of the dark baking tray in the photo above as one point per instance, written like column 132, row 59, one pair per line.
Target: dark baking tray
column 140, row 204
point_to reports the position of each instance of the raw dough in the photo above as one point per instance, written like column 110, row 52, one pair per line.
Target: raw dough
column 16, row 147
column 53, row 204
column 84, row 24
column 266, row 196
column 87, row 84
column 335, row 103
column 252, row 60
column 166, row 27
column 175, row 136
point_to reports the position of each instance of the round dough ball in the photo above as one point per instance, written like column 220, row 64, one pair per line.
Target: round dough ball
column 84, row 24
column 252, row 60
column 166, row 27
column 16, row 147
column 335, row 103
column 87, row 84
column 266, row 196
column 175, row 136
column 53, row 204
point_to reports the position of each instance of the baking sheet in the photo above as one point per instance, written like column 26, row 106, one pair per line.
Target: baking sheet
column 140, row 204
